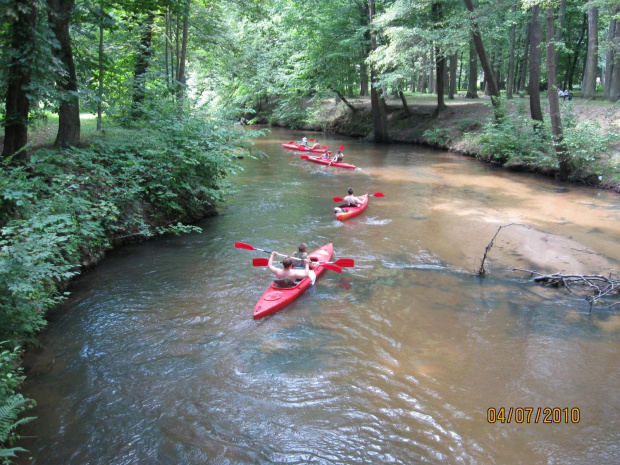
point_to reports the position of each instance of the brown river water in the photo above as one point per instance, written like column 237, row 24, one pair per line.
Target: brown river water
column 155, row 358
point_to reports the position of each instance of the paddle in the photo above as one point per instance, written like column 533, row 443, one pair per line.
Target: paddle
column 376, row 194
column 342, row 262
column 242, row 245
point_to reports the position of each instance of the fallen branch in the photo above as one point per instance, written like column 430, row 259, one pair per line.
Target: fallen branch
column 481, row 271
column 593, row 287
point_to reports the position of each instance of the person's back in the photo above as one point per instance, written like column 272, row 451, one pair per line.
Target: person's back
column 352, row 200
column 288, row 272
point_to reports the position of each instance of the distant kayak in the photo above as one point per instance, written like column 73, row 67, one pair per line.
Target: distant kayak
column 301, row 148
column 349, row 212
column 327, row 161
column 277, row 297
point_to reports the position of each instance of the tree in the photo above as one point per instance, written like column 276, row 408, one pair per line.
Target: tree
column 560, row 148
column 19, row 77
column 588, row 89
column 535, row 64
column 59, row 17
column 472, row 86
column 377, row 104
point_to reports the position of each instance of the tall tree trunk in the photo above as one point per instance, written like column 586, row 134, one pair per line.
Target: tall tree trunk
column 559, row 32
column 459, row 84
column 183, row 56
column 511, row 56
column 142, row 65
column 576, row 53
column 440, row 61
column 525, row 58
column 59, row 16
column 100, row 77
column 609, row 59
column 560, row 148
column 18, row 79
column 377, row 105
column 452, row 90
column 431, row 72
column 614, row 90
column 472, row 86
column 486, row 66
column 534, row 87
column 363, row 80
column 589, row 82
column 422, row 75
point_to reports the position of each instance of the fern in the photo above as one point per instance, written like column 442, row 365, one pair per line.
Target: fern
column 9, row 413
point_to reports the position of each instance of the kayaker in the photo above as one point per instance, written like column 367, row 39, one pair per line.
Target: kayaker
column 352, row 200
column 316, row 145
column 304, row 142
column 338, row 156
column 302, row 255
column 288, row 271
column 325, row 154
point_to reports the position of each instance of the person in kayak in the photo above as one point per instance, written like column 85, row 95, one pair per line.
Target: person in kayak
column 338, row 156
column 350, row 201
column 325, row 154
column 288, row 272
column 302, row 255
column 304, row 142
column 316, row 145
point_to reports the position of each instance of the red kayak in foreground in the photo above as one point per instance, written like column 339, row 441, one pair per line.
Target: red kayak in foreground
column 301, row 148
column 276, row 297
column 327, row 161
column 349, row 212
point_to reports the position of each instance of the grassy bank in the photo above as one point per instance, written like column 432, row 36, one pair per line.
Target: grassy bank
column 61, row 209
column 591, row 129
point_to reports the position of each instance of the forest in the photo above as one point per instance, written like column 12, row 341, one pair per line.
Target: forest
column 162, row 83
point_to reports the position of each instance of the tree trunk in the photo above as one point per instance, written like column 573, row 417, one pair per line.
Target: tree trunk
column 377, row 106
column 472, row 86
column 344, row 100
column 609, row 59
column 452, row 90
column 142, row 65
column 440, row 61
column 573, row 67
column 589, row 82
column 18, row 79
column 559, row 32
column 459, row 84
column 561, row 151
column 100, row 77
column 404, row 100
column 534, row 87
column 363, row 80
column 422, row 76
column 183, row 56
column 486, row 66
column 59, row 16
column 614, row 90
column 524, row 60
column 511, row 56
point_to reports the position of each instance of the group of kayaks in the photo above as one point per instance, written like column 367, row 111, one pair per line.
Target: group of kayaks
column 276, row 297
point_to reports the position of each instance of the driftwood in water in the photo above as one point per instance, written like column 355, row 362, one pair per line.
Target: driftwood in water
column 481, row 271
column 591, row 286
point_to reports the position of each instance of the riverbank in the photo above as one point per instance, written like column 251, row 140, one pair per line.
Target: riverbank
column 462, row 128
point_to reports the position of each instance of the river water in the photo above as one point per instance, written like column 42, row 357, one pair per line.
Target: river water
column 155, row 358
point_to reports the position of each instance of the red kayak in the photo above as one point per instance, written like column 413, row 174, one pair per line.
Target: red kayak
column 348, row 212
column 301, row 148
column 276, row 297
column 327, row 161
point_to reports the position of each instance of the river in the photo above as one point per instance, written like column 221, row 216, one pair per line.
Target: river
column 408, row 357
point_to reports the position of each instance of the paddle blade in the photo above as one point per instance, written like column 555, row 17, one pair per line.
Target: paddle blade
column 260, row 262
column 378, row 194
column 291, row 142
column 344, row 262
column 335, row 268
column 341, row 147
column 304, row 157
column 325, row 146
column 338, row 199
column 310, row 140
column 241, row 245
